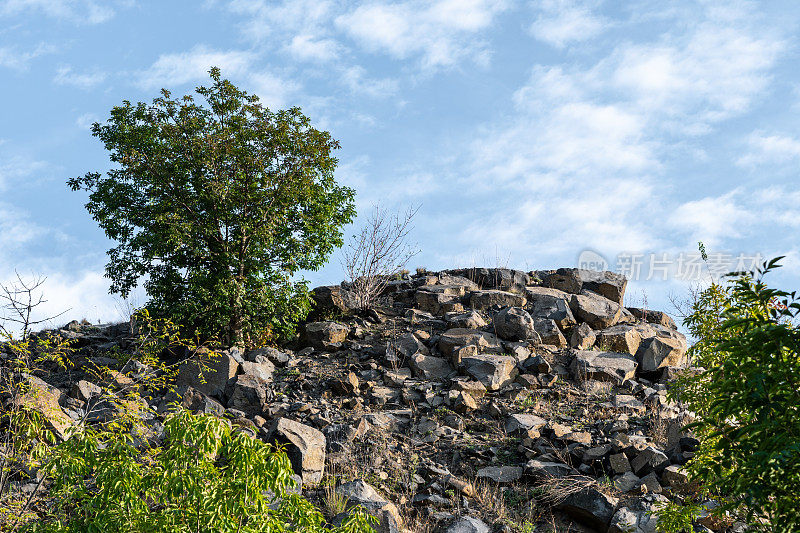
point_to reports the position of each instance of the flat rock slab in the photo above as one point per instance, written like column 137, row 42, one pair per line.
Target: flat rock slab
column 604, row 366
column 501, row 474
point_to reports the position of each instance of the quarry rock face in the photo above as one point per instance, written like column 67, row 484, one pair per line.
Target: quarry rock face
column 525, row 381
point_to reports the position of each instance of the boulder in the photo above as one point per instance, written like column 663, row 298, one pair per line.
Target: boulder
column 454, row 338
column 209, row 373
column 469, row 320
column 430, row 367
column 514, row 324
column 437, row 302
column 38, row 395
column 659, row 352
column 248, row 393
column 197, row 402
column 523, row 423
column 405, row 347
column 543, row 470
column 321, row 335
column 494, row 371
column 304, row 445
column 495, row 278
column 583, row 337
column 590, row 507
column 501, row 474
column 649, row 460
column 85, row 390
column 544, row 302
column 620, row 338
column 574, row 280
column 653, row 317
column 604, row 366
column 467, row 524
column 484, row 299
column 332, row 300
column 262, row 370
column 359, row 493
column 595, row 310
column 549, row 333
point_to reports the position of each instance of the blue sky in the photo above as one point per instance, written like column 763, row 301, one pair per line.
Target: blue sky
column 527, row 132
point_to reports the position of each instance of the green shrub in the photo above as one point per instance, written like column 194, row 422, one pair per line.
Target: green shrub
column 746, row 397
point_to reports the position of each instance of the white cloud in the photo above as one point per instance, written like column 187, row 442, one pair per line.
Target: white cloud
column 307, row 48
column 86, row 120
column 356, row 79
column 441, row 33
column 13, row 168
column 180, row 68
column 74, row 10
column 12, row 57
column 764, row 149
column 561, row 22
column 273, row 91
column 66, row 76
column 712, row 219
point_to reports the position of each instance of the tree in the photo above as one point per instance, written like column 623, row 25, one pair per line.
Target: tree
column 376, row 253
column 746, row 397
column 220, row 206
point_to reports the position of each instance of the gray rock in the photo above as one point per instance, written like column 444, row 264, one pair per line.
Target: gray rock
column 209, row 375
column 248, row 393
column 454, row 338
column 467, row 524
column 522, row 423
column 514, row 324
column 332, row 299
column 468, row 320
column 590, row 507
column 304, row 445
column 406, row 346
column 430, row 367
column 322, row 335
column 495, row 278
column 653, row 317
column 501, row 474
column 649, row 460
column 485, row 299
column 574, row 280
column 583, row 337
column 85, row 390
column 359, row 492
column 436, row 302
column 43, row 398
column 626, row 482
column 605, row 366
column 549, row 332
column 494, row 371
column 262, row 370
column 595, row 310
column 620, row 338
column 546, row 469
column 659, row 352
column 549, row 303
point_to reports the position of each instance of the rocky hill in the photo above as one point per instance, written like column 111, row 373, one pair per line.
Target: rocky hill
column 469, row 400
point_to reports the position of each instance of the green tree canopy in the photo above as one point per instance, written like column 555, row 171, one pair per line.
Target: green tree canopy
column 219, row 205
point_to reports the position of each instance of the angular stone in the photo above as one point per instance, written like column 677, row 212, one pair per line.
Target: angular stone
column 649, row 460
column 85, row 390
column 332, row 299
column 457, row 337
column 494, row 371
column 248, row 393
column 574, row 280
column 485, row 299
column 605, row 366
column 549, row 303
column 405, row 346
column 582, row 337
column 544, row 469
column 619, row 463
column 626, row 482
column 620, row 338
column 501, row 474
column 522, row 423
column 321, row 335
column 262, row 370
column 40, row 396
column 209, row 375
column 514, row 324
column 653, row 317
column 430, row 367
column 467, row 320
column 659, row 352
column 590, row 507
column 675, row 476
column 437, row 302
column 464, row 402
column 495, row 278
column 304, row 445
column 595, row 310
column 467, row 524
column 549, row 332
column 627, row 402
column 359, row 493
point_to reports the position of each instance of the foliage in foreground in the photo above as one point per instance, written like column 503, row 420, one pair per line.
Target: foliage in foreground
column 117, row 471
column 220, row 206
column 746, row 397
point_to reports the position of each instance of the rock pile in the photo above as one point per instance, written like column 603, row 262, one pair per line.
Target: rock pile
column 464, row 389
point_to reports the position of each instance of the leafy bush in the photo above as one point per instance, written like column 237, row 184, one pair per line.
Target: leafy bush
column 220, row 206
column 746, row 396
